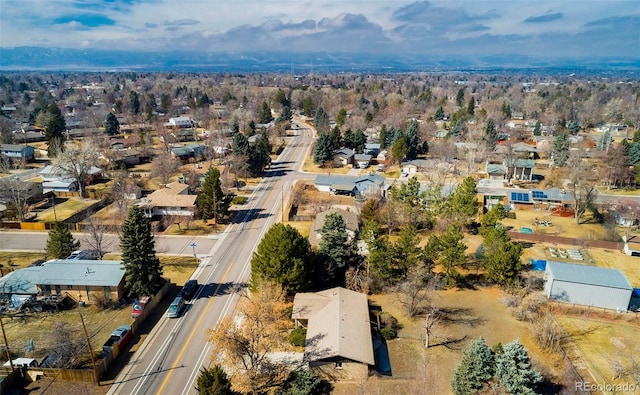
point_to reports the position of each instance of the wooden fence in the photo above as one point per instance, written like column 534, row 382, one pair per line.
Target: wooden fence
column 543, row 238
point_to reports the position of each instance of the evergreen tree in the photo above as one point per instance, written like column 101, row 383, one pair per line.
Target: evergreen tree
column 537, row 129
column 471, row 107
column 321, row 120
column 212, row 203
column 634, row 153
column 111, row 125
column 458, row 127
column 134, row 102
column 382, row 136
column 336, row 138
column 165, row 103
column 259, row 155
column 283, row 257
column 240, row 144
column 560, row 149
column 213, row 381
column 439, row 115
column 476, row 369
column 61, row 242
column 323, row 150
column 515, row 370
column 384, row 267
column 460, row 97
column 341, row 117
column 203, row 101
column 450, row 252
column 301, row 382
column 506, row 109
column 574, row 127
column 359, row 141
column 54, row 131
column 491, row 134
column 143, row 272
column 399, row 150
column 265, row 113
column 502, row 257
column 463, row 202
column 333, row 246
column 285, row 115
column 347, row 139
column 411, row 134
column 408, row 247
column 281, row 98
column 307, row 106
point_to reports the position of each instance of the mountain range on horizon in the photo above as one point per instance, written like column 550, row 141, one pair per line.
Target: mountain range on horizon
column 94, row 60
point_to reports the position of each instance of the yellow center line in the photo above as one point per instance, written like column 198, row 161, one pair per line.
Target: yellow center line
column 193, row 331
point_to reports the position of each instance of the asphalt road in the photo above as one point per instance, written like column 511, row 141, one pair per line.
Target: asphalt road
column 170, row 245
column 169, row 360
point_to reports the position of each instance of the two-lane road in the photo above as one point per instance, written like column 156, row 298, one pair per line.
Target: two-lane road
column 169, row 360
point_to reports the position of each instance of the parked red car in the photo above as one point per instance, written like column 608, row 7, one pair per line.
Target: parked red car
column 139, row 305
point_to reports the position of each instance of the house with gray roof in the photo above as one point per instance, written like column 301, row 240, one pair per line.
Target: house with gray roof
column 366, row 185
column 343, row 156
column 82, row 279
column 520, row 169
column 350, row 220
column 339, row 344
column 587, row 286
column 18, row 152
column 362, row 161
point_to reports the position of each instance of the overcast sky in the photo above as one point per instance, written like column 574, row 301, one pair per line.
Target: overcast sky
column 559, row 28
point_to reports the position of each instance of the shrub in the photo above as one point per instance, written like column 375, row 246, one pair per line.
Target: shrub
column 239, row 200
column 388, row 333
column 297, row 337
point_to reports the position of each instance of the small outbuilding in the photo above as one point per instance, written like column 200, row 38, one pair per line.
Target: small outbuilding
column 587, row 285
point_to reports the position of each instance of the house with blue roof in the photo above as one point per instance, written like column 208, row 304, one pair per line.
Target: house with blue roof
column 82, row 279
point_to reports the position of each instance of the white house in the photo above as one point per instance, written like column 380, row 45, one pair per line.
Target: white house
column 180, row 122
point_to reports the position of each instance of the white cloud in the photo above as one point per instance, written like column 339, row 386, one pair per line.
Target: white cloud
column 354, row 25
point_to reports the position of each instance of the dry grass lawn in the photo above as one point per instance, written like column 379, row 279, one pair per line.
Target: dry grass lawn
column 601, row 343
column 64, row 210
column 470, row 314
column 16, row 260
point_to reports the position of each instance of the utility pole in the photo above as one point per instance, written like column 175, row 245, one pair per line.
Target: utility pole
column 6, row 345
column 93, row 357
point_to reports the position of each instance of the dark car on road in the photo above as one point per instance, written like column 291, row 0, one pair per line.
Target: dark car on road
column 189, row 289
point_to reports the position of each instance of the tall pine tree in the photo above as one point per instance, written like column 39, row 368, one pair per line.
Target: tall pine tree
column 61, row 242
column 143, row 273
column 211, row 201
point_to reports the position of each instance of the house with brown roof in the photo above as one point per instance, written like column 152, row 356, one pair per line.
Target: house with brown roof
column 173, row 199
column 350, row 219
column 339, row 344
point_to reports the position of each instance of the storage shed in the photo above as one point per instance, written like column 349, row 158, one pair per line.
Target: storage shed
column 587, row 285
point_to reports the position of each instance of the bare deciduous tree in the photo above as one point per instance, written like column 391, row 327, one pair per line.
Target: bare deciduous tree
column 14, row 188
column 164, row 167
column 77, row 161
column 582, row 186
column 96, row 239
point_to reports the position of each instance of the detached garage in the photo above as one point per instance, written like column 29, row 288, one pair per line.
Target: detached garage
column 587, row 286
